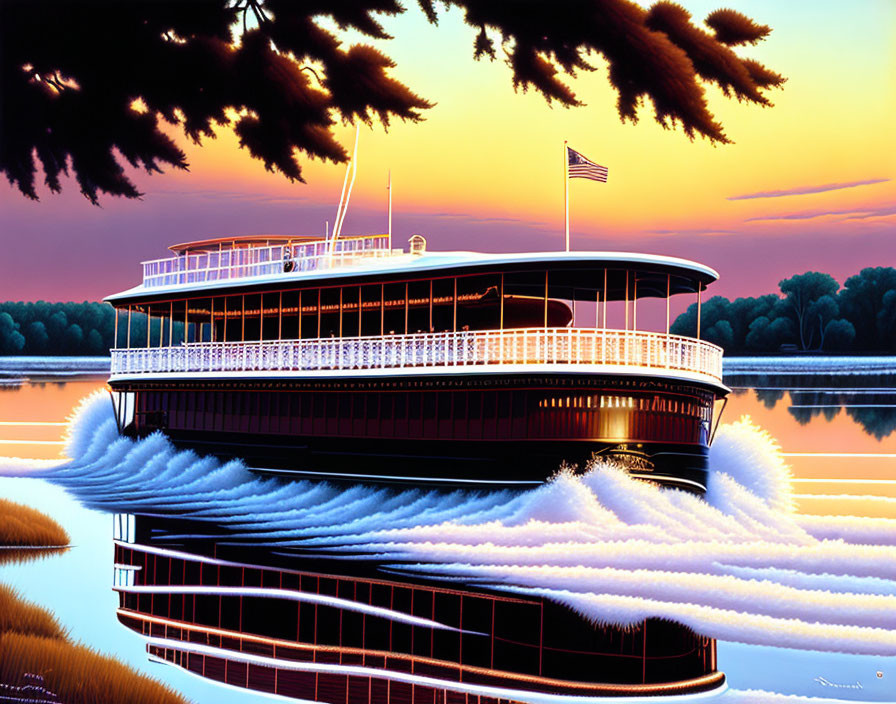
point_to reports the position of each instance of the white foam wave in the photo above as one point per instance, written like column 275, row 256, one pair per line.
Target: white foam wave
column 24, row 466
column 727, row 624
column 850, row 529
column 740, row 566
column 742, row 448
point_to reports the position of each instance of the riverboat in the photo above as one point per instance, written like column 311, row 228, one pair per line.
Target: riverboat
column 325, row 629
column 351, row 359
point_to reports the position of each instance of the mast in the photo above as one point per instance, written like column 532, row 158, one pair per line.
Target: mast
column 353, row 167
column 339, row 209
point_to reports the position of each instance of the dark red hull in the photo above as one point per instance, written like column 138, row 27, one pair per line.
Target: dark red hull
column 500, row 429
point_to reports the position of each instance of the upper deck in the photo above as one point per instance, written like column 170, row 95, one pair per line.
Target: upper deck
column 274, row 262
column 223, row 259
column 307, row 307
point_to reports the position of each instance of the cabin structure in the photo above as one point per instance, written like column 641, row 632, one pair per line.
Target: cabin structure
column 355, row 359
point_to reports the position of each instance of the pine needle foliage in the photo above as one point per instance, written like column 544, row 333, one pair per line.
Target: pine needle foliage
column 88, row 84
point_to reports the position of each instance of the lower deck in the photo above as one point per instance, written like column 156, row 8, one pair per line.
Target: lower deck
column 501, row 429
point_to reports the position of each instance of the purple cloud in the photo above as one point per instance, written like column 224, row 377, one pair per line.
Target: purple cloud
column 692, row 231
column 848, row 213
column 882, row 212
column 804, row 190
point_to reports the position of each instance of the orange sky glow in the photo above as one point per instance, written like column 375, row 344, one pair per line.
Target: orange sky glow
column 484, row 170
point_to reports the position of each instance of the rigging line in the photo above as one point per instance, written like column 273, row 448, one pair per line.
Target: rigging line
column 337, row 230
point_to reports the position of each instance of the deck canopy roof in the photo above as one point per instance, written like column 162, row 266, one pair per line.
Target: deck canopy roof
column 214, row 244
column 570, row 275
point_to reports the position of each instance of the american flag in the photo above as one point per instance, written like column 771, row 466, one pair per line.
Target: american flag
column 580, row 167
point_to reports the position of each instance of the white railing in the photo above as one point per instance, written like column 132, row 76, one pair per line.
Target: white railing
column 634, row 350
column 242, row 262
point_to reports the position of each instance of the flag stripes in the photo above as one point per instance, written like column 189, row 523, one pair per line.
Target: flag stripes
column 581, row 167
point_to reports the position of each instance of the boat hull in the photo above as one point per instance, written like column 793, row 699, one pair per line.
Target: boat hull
column 494, row 429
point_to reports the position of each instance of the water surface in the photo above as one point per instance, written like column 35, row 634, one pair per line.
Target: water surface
column 836, row 433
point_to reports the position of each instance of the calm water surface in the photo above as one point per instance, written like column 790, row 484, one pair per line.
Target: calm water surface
column 838, row 436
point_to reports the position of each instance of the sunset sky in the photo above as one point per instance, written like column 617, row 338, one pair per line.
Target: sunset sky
column 809, row 184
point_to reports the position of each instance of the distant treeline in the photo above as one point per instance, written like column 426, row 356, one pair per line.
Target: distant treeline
column 41, row 328
column 812, row 314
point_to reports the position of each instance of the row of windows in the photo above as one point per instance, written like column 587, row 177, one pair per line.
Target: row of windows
column 323, row 687
column 455, row 415
column 684, row 406
column 509, row 635
column 340, row 689
column 513, row 635
column 374, row 309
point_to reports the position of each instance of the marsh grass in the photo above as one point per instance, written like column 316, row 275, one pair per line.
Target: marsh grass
column 22, row 526
column 32, row 641
column 20, row 616
column 76, row 674
column 14, row 554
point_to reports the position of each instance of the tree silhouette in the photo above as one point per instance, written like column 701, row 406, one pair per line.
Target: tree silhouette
column 11, row 340
column 868, row 300
column 839, row 335
column 878, row 422
column 803, row 293
column 770, row 397
column 59, row 328
column 743, row 326
column 87, row 84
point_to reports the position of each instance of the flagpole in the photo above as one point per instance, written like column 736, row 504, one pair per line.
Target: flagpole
column 389, row 187
column 566, row 189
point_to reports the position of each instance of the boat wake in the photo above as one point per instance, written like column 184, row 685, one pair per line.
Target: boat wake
column 741, row 566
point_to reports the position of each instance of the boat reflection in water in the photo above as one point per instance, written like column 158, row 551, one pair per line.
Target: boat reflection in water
column 315, row 627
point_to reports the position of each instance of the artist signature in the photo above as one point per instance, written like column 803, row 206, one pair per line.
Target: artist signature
column 824, row 682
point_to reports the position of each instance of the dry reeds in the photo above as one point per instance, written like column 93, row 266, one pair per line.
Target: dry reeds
column 9, row 555
column 19, row 616
column 76, row 674
column 23, row 526
column 32, row 642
